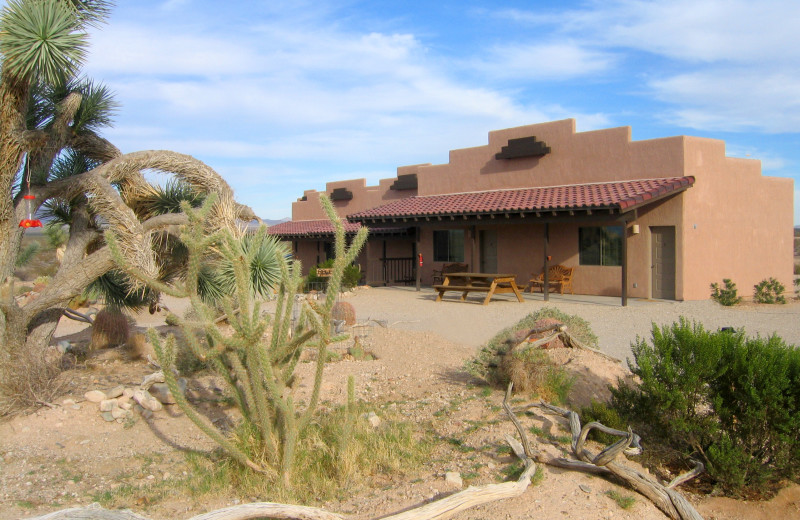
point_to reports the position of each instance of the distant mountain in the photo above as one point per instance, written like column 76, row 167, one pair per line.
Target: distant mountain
column 270, row 222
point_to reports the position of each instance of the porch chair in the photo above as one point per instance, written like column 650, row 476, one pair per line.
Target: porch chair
column 560, row 277
column 447, row 269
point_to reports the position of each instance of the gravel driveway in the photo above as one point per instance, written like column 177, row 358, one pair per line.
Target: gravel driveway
column 473, row 324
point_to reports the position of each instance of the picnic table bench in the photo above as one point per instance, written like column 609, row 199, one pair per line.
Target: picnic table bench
column 489, row 283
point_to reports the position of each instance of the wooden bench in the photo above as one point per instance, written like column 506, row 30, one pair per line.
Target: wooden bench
column 560, row 278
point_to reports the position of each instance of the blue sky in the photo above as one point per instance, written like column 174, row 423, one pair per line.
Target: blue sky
column 280, row 97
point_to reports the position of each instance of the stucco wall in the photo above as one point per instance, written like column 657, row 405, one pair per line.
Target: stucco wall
column 739, row 224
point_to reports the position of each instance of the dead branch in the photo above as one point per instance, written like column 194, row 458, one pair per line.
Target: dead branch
column 561, row 333
column 669, row 501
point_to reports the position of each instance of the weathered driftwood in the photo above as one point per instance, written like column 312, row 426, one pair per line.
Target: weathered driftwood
column 560, row 332
column 672, row 503
column 438, row 510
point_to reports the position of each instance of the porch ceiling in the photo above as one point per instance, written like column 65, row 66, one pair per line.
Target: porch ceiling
column 608, row 198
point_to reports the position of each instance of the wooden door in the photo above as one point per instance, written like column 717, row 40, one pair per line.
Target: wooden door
column 488, row 239
column 663, row 262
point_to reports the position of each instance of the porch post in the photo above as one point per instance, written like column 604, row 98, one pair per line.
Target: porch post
column 473, row 250
column 418, row 268
column 624, row 263
column 546, row 287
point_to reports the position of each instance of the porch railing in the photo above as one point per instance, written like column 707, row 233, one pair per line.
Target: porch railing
column 392, row 271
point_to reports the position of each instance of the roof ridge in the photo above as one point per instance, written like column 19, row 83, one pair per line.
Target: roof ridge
column 549, row 187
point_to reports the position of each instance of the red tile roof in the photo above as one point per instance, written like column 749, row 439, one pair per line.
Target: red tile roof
column 621, row 195
column 310, row 228
column 316, row 228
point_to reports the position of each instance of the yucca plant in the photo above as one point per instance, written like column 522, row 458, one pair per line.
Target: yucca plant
column 258, row 357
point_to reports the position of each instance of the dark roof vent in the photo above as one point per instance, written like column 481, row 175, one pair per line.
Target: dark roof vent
column 523, row 147
column 405, row 182
column 341, row 194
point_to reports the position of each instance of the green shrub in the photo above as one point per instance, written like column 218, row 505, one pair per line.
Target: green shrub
column 350, row 278
column 726, row 296
column 605, row 415
column 730, row 400
column 769, row 291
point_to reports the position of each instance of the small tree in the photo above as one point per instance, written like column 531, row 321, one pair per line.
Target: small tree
column 259, row 357
column 725, row 296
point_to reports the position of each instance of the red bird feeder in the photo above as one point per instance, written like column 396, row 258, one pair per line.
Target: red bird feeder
column 30, row 221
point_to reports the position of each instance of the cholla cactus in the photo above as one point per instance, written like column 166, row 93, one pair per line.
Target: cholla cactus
column 259, row 358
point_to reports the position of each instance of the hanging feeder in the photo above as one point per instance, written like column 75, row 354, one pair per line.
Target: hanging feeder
column 29, row 222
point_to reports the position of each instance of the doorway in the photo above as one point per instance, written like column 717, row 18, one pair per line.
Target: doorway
column 488, row 240
column 663, row 262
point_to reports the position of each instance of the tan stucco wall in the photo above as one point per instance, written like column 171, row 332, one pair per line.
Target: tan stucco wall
column 739, row 224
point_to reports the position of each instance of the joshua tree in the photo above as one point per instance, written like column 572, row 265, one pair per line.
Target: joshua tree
column 51, row 153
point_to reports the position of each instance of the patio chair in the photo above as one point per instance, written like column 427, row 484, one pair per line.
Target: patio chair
column 560, row 277
column 438, row 275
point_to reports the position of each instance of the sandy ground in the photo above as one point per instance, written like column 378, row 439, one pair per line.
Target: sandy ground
column 65, row 455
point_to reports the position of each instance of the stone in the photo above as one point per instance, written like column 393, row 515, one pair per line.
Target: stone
column 107, row 417
column 453, row 479
column 374, row 420
column 585, row 489
column 107, row 405
column 147, row 401
column 128, row 392
column 95, row 396
column 161, row 391
column 115, row 392
column 119, row 413
column 125, row 405
column 68, row 402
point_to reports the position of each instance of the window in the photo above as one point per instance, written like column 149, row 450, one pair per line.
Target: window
column 601, row 245
column 448, row 245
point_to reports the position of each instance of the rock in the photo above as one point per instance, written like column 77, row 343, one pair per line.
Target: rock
column 115, row 392
column 453, row 479
column 95, row 396
column 374, row 420
column 147, row 401
column 120, row 413
column 107, row 405
column 67, row 402
column 128, row 392
column 161, row 392
column 107, row 416
column 585, row 489
column 125, row 405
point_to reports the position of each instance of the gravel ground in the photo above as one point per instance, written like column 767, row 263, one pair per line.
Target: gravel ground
column 617, row 327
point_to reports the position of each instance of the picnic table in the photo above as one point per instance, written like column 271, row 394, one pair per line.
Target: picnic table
column 490, row 283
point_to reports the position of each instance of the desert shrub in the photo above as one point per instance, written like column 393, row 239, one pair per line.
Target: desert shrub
column 797, row 288
column 491, row 363
column 608, row 416
column 769, row 291
column 344, row 311
column 110, row 328
column 728, row 399
column 725, row 296
column 350, row 278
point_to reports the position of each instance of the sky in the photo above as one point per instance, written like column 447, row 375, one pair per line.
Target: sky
column 281, row 97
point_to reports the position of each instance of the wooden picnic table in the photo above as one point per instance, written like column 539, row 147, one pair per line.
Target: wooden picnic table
column 490, row 283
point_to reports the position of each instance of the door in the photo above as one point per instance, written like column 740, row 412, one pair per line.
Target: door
column 663, row 262
column 488, row 239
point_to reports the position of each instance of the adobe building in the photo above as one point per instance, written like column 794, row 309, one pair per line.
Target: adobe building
column 660, row 218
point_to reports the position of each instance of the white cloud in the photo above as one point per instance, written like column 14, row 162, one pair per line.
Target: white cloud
column 544, row 62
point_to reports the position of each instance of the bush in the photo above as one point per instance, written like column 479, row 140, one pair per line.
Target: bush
column 797, row 288
column 731, row 400
column 726, row 296
column 769, row 291
column 351, row 277
column 110, row 329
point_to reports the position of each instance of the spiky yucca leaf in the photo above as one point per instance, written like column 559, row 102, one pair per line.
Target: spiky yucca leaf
column 116, row 289
column 261, row 251
column 41, row 39
column 167, row 199
column 97, row 108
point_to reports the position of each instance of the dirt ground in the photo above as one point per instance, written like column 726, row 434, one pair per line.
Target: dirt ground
column 65, row 454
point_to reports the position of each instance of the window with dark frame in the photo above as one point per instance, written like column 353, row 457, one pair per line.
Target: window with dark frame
column 448, row 245
column 601, row 245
